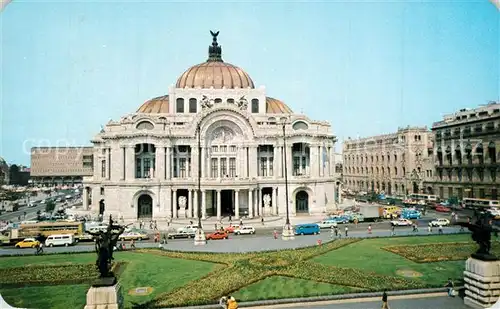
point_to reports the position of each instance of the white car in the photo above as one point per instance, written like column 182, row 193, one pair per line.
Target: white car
column 188, row 228
column 440, row 222
column 245, row 230
column 327, row 224
column 401, row 222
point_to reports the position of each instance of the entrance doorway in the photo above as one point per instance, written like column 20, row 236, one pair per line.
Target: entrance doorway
column 227, row 202
column 145, row 207
column 415, row 187
column 302, row 202
column 102, row 207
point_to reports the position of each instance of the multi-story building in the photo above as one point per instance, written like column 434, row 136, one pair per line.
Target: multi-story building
column 395, row 164
column 214, row 123
column 52, row 166
column 467, row 154
column 4, row 172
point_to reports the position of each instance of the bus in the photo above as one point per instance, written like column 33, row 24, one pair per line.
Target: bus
column 479, row 203
column 428, row 198
column 46, row 229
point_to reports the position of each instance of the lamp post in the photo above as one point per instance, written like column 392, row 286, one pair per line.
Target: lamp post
column 199, row 238
column 287, row 233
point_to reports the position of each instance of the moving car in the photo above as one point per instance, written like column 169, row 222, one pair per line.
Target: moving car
column 60, row 240
column 27, row 243
column 133, row 235
column 182, row 233
column 245, row 230
column 339, row 219
column 327, row 224
column 217, row 235
column 307, row 229
column 231, row 228
column 190, row 228
column 441, row 208
column 415, row 214
column 401, row 222
column 440, row 222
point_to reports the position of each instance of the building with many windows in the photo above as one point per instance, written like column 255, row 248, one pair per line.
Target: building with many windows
column 57, row 166
column 396, row 164
column 215, row 123
column 466, row 149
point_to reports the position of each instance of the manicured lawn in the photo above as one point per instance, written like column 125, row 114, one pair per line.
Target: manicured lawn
column 368, row 255
column 283, row 287
column 142, row 270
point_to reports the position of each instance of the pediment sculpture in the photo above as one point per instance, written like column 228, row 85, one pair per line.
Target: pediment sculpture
column 222, row 135
column 242, row 103
column 206, row 102
column 267, row 200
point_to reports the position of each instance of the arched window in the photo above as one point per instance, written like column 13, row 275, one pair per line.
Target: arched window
column 218, row 100
column 255, row 106
column 192, row 105
column 179, row 107
column 230, row 101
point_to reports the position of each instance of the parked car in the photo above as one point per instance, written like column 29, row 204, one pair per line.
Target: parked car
column 401, row 222
column 440, row 222
column 307, row 229
column 133, row 235
column 441, row 208
column 411, row 214
column 327, row 224
column 231, row 228
column 60, row 240
column 27, row 243
column 339, row 219
column 191, row 228
column 217, row 235
column 182, row 233
column 245, row 230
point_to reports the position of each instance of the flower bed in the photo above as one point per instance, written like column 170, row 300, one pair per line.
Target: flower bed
column 427, row 253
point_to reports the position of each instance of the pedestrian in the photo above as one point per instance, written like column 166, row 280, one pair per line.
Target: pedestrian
column 155, row 225
column 231, row 303
column 332, row 231
column 191, row 222
column 39, row 248
column 450, row 286
column 385, row 304
column 230, row 219
column 346, row 231
column 369, row 229
column 415, row 229
column 440, row 229
column 336, row 231
column 132, row 244
column 429, row 228
column 215, row 225
column 275, row 234
column 262, row 220
column 241, row 222
column 393, row 231
column 164, row 239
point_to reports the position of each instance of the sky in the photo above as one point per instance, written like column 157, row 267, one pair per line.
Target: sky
column 367, row 67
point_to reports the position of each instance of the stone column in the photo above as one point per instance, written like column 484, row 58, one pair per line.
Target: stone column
column 130, row 159
column 159, row 171
column 174, row 203
column 195, row 203
column 236, row 204
column 108, row 163
column 218, row 205
column 253, row 161
column 332, row 161
column 168, row 203
column 274, row 201
column 245, row 162
column 340, row 193
column 190, row 204
column 289, row 163
column 167, row 162
column 276, row 163
column 334, row 193
column 250, row 203
column 259, row 204
column 123, row 162
column 203, row 204
column 321, row 163
column 85, row 198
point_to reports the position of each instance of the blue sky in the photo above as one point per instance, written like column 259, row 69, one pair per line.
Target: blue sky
column 368, row 67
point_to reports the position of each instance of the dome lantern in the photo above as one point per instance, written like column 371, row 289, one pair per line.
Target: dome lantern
column 214, row 51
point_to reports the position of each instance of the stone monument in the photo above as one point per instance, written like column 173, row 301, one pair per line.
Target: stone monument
column 482, row 269
column 105, row 292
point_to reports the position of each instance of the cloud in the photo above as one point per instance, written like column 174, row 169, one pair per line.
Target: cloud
column 3, row 4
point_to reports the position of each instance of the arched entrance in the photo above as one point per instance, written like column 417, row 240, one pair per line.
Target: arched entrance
column 102, row 207
column 415, row 187
column 302, row 202
column 145, row 206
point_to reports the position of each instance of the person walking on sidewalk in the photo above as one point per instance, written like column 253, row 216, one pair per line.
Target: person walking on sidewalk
column 385, row 304
column 369, row 229
column 346, row 231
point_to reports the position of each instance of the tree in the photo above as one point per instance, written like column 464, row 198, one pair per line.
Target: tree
column 49, row 206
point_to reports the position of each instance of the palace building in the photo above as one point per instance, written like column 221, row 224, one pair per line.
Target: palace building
column 216, row 124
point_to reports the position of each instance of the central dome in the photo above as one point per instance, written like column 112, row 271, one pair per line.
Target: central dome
column 214, row 72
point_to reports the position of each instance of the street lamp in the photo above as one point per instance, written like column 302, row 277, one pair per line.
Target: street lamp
column 199, row 238
column 287, row 233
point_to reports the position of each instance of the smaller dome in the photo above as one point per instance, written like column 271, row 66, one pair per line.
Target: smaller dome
column 274, row 106
column 158, row 105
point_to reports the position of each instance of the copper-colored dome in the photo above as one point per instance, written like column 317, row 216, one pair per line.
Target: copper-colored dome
column 274, row 106
column 215, row 74
column 158, row 105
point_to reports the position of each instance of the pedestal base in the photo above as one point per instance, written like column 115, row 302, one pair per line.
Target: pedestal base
column 482, row 283
column 287, row 233
column 199, row 238
column 105, row 297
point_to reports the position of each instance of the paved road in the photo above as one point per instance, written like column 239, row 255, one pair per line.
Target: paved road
column 245, row 243
column 441, row 302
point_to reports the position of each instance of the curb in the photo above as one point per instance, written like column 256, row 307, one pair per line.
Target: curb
column 313, row 299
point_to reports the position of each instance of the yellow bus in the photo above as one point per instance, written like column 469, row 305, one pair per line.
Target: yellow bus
column 52, row 228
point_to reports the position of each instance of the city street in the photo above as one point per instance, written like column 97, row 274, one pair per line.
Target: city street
column 240, row 243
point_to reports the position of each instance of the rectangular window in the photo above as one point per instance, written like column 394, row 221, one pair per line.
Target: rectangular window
column 271, row 167
column 138, row 168
column 223, row 148
column 88, row 161
column 232, row 148
column 232, row 167
column 103, row 169
column 176, row 172
column 296, row 166
column 223, row 167
column 192, row 105
column 215, row 168
column 102, row 191
column 215, row 148
column 179, row 108
column 263, row 167
column 146, row 168
column 255, row 106
column 182, row 167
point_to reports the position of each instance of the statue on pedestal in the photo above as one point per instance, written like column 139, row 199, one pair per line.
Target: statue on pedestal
column 105, row 241
column 481, row 234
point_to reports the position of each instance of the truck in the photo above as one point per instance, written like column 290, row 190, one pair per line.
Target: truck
column 371, row 212
column 10, row 236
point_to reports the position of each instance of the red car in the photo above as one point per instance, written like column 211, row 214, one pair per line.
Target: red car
column 217, row 235
column 442, row 209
